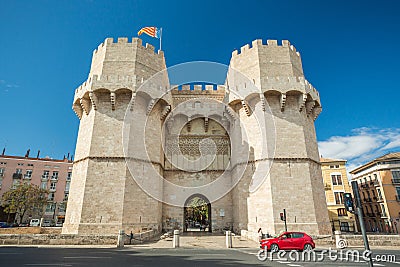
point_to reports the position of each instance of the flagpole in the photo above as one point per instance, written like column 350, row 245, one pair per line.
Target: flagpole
column 160, row 38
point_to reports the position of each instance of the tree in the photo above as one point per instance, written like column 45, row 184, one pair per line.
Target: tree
column 24, row 198
column 200, row 208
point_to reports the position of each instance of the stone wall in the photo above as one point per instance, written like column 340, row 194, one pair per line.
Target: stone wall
column 60, row 239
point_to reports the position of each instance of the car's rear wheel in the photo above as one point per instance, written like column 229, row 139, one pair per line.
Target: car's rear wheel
column 274, row 248
column 307, row 247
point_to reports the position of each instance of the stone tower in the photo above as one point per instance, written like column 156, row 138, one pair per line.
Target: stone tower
column 275, row 91
column 265, row 110
column 103, row 198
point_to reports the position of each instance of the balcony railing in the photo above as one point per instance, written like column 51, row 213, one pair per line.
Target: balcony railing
column 45, row 177
column 395, row 181
column 52, row 189
column 27, row 176
column 376, row 183
column 379, row 198
column 364, row 185
column 17, row 175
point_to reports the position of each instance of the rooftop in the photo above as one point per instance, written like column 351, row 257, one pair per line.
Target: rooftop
column 327, row 160
column 38, row 159
column 386, row 157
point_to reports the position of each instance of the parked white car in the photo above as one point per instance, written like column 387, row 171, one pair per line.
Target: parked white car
column 34, row 222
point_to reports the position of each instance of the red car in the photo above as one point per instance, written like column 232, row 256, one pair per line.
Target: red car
column 288, row 241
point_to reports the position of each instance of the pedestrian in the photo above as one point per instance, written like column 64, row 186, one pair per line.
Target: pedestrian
column 130, row 240
column 260, row 234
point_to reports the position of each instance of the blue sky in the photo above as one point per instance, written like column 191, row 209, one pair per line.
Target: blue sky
column 348, row 48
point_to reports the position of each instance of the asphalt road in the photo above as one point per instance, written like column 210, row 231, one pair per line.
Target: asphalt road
column 135, row 257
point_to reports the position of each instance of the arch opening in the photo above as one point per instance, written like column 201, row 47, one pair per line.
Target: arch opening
column 197, row 214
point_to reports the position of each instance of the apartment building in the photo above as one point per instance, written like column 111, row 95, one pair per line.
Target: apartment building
column 51, row 174
column 379, row 187
column 336, row 184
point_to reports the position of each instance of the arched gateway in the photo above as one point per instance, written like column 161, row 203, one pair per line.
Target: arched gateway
column 197, row 214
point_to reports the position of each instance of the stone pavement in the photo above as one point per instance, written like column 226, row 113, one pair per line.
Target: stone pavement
column 196, row 240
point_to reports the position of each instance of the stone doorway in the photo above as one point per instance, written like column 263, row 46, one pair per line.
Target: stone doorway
column 197, row 214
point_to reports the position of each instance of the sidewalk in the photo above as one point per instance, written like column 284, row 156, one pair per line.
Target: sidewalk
column 201, row 241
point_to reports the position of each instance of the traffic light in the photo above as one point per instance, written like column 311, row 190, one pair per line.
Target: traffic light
column 282, row 216
column 348, row 202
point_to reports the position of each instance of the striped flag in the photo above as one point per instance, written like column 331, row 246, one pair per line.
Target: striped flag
column 151, row 31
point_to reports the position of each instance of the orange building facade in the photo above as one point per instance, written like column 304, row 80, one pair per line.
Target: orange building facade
column 379, row 187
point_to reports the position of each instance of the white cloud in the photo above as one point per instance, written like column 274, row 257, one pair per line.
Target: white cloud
column 363, row 145
column 6, row 85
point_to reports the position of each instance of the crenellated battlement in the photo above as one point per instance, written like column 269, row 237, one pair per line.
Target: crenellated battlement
column 125, row 42
column 269, row 44
column 198, row 89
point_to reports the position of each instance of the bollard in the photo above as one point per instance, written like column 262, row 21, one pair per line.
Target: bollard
column 175, row 242
column 121, row 239
column 228, row 239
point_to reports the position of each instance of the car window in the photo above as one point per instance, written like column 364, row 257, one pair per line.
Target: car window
column 297, row 235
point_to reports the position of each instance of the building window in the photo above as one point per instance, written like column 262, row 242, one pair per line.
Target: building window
column 15, row 184
column 396, row 176
column 69, row 175
column 55, row 175
column 20, row 164
column 50, row 207
column 51, row 197
column 376, row 209
column 336, row 179
column 3, row 163
column 334, row 166
column 53, row 186
column 66, row 196
column 342, row 212
column 67, row 184
column 383, row 210
column 30, row 164
column 18, row 171
column 43, row 185
column 378, row 190
column 28, row 174
column 339, row 197
column 398, row 192
column 344, row 227
column 1, row 172
column 61, row 207
column 45, row 174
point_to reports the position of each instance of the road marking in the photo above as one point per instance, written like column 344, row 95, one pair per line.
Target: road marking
column 294, row 265
column 86, row 257
column 210, row 254
column 282, row 261
column 377, row 264
column 47, row 264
